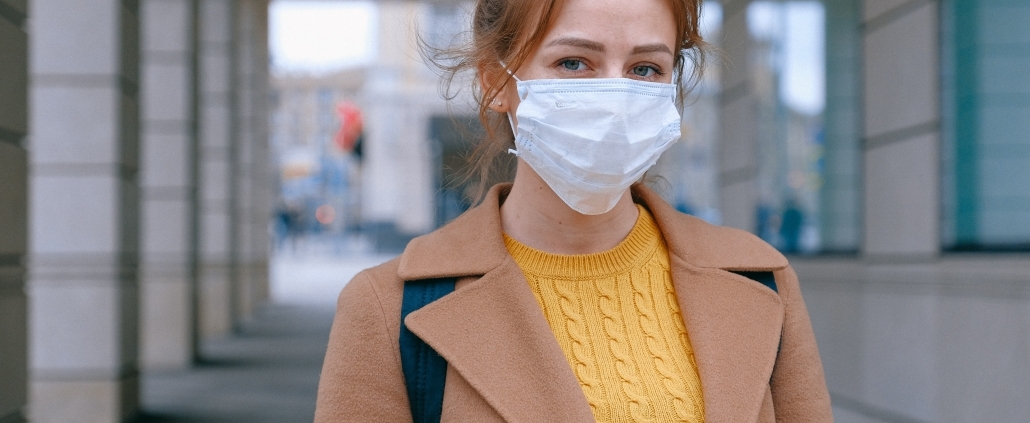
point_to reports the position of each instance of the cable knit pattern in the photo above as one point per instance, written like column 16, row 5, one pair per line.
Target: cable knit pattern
column 576, row 327
column 618, row 345
column 616, row 317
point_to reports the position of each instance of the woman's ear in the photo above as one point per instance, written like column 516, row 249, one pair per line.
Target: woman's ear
column 499, row 105
column 488, row 75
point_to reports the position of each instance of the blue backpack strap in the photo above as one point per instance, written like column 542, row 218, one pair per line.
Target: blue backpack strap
column 425, row 371
column 764, row 278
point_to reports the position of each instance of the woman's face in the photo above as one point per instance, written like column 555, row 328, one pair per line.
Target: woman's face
column 602, row 39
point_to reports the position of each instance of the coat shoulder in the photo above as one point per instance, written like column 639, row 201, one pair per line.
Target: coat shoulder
column 365, row 331
column 377, row 286
column 721, row 247
column 740, row 243
column 705, row 245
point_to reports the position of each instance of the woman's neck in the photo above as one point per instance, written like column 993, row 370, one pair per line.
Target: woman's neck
column 535, row 216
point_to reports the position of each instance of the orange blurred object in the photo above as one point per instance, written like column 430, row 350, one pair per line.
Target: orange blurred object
column 350, row 125
column 325, row 214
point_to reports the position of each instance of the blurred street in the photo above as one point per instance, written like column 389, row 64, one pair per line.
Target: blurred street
column 267, row 370
column 312, row 270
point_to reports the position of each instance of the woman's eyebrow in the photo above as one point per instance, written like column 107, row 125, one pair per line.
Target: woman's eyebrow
column 596, row 46
column 577, row 42
column 651, row 48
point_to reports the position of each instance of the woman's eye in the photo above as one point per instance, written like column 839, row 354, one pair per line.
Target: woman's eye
column 644, row 71
column 572, row 64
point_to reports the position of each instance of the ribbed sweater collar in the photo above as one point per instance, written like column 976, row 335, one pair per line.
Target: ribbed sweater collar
column 630, row 253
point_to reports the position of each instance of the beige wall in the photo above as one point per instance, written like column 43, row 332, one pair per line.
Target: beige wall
column 943, row 341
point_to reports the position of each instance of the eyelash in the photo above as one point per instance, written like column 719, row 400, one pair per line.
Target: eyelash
column 561, row 67
column 656, row 69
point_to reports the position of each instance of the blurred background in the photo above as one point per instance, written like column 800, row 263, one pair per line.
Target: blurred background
column 186, row 185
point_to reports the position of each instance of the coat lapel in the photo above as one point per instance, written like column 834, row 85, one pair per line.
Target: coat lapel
column 734, row 329
column 493, row 333
column 733, row 322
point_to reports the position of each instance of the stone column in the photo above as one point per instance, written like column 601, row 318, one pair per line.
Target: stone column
column 13, row 210
column 217, row 148
column 252, row 205
column 738, row 114
column 168, row 184
column 264, row 186
column 901, row 130
column 84, row 200
column 241, row 161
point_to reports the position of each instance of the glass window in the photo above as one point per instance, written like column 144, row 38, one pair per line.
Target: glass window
column 985, row 60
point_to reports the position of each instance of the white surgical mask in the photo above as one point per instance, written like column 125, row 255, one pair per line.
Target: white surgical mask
column 590, row 139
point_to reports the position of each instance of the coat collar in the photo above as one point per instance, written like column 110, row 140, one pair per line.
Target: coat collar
column 472, row 244
column 493, row 328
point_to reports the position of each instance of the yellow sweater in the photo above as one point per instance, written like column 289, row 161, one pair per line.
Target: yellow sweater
column 616, row 318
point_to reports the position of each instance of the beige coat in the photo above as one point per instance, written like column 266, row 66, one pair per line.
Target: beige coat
column 755, row 350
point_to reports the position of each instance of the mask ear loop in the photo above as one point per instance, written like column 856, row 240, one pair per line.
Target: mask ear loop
column 511, row 122
column 509, row 71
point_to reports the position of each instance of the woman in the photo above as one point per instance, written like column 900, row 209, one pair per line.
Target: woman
column 580, row 295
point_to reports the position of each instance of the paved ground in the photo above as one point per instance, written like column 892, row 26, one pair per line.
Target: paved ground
column 268, row 370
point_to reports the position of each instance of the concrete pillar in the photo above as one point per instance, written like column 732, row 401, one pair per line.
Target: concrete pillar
column 738, row 113
column 265, row 187
column 84, row 200
column 168, row 183
column 14, row 79
column 241, row 161
column 217, row 149
column 252, row 205
column 901, row 130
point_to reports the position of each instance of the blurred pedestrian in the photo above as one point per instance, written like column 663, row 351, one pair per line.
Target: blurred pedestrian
column 574, row 293
column 790, row 227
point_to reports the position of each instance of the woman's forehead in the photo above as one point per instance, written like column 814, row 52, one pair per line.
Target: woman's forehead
column 610, row 24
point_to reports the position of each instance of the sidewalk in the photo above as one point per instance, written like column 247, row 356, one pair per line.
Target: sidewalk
column 268, row 370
